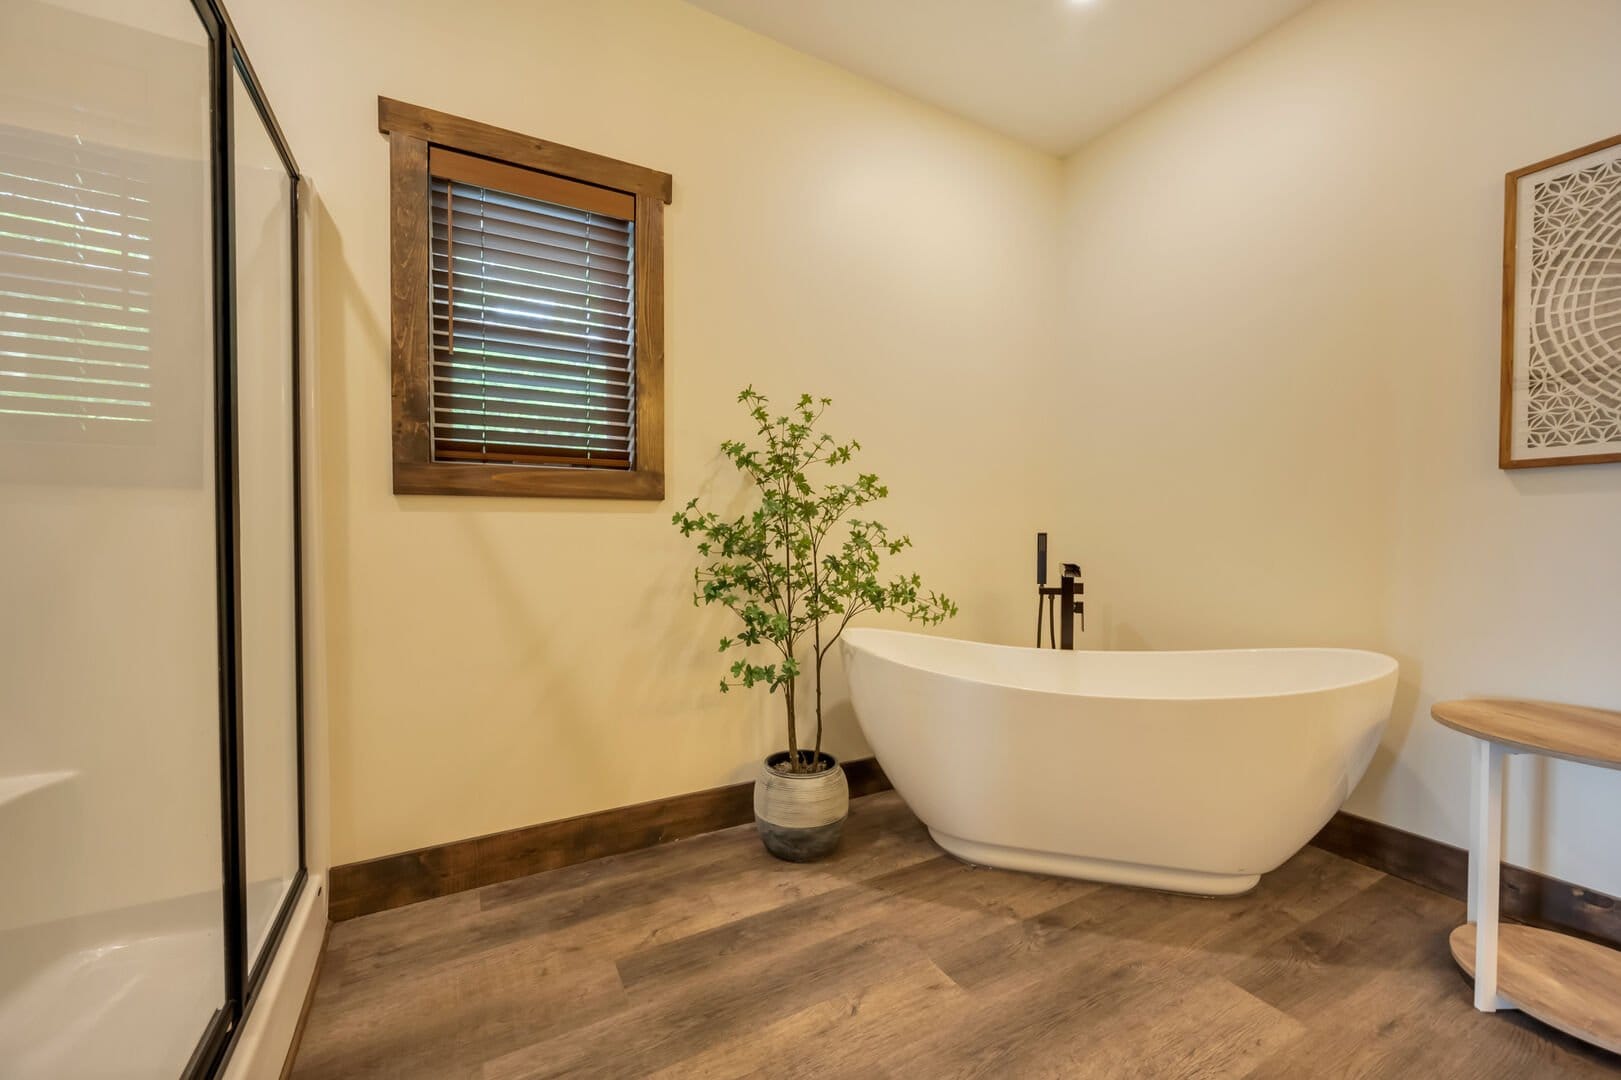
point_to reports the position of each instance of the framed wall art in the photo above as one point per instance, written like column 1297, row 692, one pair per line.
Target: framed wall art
column 1561, row 390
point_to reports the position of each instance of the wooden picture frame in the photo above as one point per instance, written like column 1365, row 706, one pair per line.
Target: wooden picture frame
column 413, row 132
column 1561, row 357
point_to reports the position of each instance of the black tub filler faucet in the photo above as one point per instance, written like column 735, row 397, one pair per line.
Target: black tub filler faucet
column 1066, row 596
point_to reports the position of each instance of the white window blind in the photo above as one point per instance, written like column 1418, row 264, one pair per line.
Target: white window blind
column 533, row 317
column 75, row 289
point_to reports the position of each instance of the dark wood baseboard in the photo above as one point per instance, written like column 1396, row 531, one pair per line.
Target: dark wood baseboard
column 396, row 880
column 1527, row 896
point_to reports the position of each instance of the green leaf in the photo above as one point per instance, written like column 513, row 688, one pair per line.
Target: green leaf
column 795, row 567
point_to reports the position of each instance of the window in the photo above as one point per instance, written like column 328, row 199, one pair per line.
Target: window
column 527, row 314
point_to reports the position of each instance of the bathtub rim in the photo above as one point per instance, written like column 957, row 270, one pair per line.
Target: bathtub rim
column 1390, row 667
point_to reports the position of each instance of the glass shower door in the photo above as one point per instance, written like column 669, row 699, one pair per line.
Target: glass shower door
column 112, row 930
column 150, row 781
column 267, row 519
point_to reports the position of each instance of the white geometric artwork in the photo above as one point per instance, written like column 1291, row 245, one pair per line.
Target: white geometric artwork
column 1562, row 284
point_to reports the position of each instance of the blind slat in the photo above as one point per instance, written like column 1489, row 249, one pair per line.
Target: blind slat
column 66, row 213
column 586, row 296
column 30, row 277
column 533, row 377
column 521, row 253
column 42, row 296
column 577, row 225
column 450, row 450
column 479, row 413
column 496, row 307
column 54, row 252
column 73, row 170
column 532, row 331
column 493, row 433
column 500, row 312
column 75, row 288
column 468, row 225
column 480, row 346
column 93, row 325
column 547, row 333
column 610, row 408
column 505, row 275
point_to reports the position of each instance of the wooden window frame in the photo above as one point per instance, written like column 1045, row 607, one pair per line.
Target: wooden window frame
column 412, row 131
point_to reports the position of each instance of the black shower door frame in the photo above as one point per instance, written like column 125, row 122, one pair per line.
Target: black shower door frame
column 244, row 976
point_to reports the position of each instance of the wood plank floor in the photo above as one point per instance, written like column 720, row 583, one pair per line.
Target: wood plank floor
column 707, row 958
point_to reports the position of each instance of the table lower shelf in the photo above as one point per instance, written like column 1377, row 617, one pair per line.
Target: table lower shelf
column 1565, row 982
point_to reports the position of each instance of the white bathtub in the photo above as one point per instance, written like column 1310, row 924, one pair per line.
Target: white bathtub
column 1193, row 772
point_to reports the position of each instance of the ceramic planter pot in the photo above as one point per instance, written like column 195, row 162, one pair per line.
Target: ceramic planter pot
column 800, row 815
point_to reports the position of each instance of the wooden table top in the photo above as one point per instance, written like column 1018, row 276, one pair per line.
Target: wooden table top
column 1574, row 732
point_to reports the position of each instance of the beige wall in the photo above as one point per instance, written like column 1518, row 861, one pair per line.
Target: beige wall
column 495, row 663
column 1283, row 295
column 1270, row 420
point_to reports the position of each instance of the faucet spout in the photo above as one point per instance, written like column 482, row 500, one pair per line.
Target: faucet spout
column 1070, row 606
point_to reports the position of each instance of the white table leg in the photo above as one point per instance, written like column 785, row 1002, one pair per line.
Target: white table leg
column 1485, row 865
column 1475, row 748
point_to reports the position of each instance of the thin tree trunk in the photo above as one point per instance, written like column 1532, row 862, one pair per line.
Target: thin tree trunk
column 788, row 610
column 793, row 744
column 816, row 758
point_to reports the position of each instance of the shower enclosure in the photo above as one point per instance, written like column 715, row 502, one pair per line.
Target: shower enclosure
column 151, row 822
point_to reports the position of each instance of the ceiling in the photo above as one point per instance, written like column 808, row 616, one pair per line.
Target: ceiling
column 1051, row 73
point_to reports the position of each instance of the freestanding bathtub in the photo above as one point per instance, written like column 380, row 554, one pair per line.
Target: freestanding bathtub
column 1192, row 772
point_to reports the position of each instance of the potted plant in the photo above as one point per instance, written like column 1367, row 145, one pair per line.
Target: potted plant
column 795, row 569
